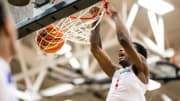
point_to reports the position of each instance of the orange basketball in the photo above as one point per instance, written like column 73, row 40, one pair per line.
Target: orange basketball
column 50, row 39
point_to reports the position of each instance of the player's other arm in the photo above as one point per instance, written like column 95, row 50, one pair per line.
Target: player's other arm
column 125, row 41
column 96, row 48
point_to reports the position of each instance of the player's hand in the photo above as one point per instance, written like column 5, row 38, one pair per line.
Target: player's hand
column 114, row 13
column 97, row 29
column 94, row 10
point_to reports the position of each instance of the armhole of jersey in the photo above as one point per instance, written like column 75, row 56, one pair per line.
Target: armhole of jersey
column 141, row 83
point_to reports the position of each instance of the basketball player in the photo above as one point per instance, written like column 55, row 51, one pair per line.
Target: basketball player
column 7, row 50
column 129, row 83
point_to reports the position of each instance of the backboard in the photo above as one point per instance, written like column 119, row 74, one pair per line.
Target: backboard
column 52, row 14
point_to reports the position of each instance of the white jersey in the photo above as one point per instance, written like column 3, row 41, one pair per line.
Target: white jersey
column 7, row 86
column 126, row 86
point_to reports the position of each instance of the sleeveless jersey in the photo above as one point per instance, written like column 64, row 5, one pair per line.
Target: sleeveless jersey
column 126, row 86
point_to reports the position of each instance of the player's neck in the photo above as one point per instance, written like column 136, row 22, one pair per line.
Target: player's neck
column 125, row 66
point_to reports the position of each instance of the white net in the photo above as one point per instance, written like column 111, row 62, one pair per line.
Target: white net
column 76, row 29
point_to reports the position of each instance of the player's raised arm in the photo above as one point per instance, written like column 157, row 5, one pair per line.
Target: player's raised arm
column 96, row 48
column 125, row 41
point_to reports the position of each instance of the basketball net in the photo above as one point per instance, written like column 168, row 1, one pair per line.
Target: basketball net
column 77, row 28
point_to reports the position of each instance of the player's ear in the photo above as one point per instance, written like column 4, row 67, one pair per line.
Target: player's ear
column 7, row 28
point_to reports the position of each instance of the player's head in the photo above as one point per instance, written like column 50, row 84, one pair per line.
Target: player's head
column 7, row 33
column 140, row 49
column 124, row 58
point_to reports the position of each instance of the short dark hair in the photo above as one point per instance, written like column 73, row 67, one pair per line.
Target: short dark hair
column 2, row 12
column 140, row 49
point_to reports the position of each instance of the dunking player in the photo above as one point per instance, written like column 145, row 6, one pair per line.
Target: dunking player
column 130, row 82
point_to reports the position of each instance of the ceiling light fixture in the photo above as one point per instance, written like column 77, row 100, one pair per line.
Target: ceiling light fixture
column 158, row 6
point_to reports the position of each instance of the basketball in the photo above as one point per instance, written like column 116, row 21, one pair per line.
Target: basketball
column 50, row 39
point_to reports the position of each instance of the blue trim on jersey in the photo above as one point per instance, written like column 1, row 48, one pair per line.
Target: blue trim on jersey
column 125, row 70
column 9, row 78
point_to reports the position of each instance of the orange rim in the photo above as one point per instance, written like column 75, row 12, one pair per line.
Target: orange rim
column 106, row 6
